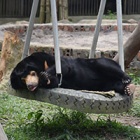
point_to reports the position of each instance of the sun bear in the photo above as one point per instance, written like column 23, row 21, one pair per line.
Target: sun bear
column 99, row 74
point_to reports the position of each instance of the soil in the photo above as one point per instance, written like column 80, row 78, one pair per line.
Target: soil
column 108, row 40
column 129, row 120
column 124, row 118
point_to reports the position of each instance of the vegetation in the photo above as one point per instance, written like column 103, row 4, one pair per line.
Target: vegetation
column 110, row 15
column 135, row 75
column 135, row 111
column 31, row 120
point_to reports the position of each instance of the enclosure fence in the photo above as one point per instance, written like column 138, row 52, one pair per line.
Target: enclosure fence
column 83, row 7
column 131, row 7
column 16, row 8
column 22, row 8
column 91, row 7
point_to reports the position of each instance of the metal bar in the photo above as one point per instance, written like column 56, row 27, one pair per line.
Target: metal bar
column 124, row 7
column 133, row 10
column 86, row 7
column 69, row 8
column 55, row 34
column 83, row 4
column 77, row 8
column 138, row 8
column 94, row 7
column 91, row 8
column 136, row 5
column 120, row 34
column 73, row 8
column 97, row 29
column 30, row 28
column 80, row 8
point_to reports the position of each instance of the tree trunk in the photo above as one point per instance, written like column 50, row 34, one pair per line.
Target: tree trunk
column 131, row 47
column 48, row 11
column 11, row 53
column 63, row 9
column 42, row 11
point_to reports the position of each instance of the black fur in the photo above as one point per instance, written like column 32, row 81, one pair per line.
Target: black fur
column 100, row 74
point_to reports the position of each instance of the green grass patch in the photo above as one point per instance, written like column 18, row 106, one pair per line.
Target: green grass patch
column 135, row 75
column 135, row 110
column 63, row 127
column 31, row 120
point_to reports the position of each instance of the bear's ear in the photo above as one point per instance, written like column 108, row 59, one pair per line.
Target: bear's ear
column 46, row 65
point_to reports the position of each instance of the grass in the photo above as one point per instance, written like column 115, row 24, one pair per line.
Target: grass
column 135, row 110
column 135, row 75
column 31, row 120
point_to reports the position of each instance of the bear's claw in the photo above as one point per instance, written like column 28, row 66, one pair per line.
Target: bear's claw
column 44, row 74
column 130, row 89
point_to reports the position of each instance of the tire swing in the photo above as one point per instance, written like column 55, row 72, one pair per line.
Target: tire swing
column 72, row 99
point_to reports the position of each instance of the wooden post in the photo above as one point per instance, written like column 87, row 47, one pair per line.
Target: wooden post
column 42, row 11
column 131, row 46
column 11, row 53
column 48, row 11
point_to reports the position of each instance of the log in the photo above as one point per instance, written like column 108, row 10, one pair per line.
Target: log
column 11, row 53
column 131, row 47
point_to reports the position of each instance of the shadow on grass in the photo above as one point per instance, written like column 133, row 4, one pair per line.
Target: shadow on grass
column 71, row 125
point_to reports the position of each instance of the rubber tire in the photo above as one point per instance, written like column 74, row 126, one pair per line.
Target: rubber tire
column 78, row 100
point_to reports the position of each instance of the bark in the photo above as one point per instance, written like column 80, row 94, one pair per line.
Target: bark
column 11, row 53
column 131, row 46
column 42, row 11
column 63, row 9
column 48, row 11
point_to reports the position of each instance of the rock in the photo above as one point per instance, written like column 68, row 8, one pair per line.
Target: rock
column 132, row 21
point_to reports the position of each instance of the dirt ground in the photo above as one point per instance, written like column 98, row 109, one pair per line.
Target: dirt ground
column 123, row 118
column 108, row 40
column 129, row 120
